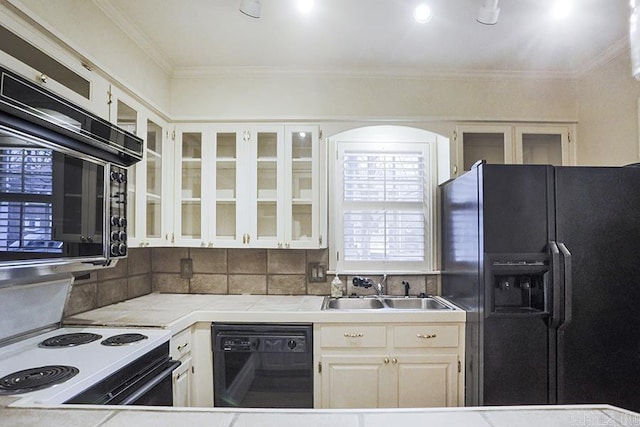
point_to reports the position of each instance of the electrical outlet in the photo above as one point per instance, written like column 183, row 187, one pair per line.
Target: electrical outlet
column 316, row 272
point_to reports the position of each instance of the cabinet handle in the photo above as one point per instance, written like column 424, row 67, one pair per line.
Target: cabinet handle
column 244, row 239
column 358, row 335
column 427, row 336
column 248, row 238
column 386, row 360
column 394, row 361
column 180, row 347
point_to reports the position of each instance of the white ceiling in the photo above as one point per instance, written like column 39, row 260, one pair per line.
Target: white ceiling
column 374, row 36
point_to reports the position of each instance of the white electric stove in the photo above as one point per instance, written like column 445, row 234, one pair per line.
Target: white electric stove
column 42, row 363
column 53, row 367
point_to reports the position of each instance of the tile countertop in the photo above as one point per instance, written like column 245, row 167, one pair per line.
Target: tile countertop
column 529, row 416
column 178, row 311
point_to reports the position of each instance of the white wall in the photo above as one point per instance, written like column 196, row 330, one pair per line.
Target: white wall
column 82, row 25
column 608, row 115
column 341, row 97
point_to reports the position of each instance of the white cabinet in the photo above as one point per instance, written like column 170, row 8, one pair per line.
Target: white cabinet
column 183, row 383
column 512, row 144
column 389, row 366
column 149, row 182
column 254, row 186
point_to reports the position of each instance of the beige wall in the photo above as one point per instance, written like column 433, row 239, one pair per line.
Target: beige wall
column 83, row 26
column 339, row 97
column 608, row 115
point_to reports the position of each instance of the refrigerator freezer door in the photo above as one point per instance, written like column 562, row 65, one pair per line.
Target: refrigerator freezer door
column 599, row 349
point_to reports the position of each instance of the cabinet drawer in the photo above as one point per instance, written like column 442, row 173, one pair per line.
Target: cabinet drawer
column 356, row 336
column 180, row 344
column 425, row 336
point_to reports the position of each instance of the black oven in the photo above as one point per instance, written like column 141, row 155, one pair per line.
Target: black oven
column 63, row 178
column 262, row 365
column 145, row 381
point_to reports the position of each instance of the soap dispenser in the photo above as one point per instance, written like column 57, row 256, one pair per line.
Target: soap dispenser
column 336, row 287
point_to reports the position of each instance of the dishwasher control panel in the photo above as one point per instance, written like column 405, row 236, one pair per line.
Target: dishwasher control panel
column 263, row 343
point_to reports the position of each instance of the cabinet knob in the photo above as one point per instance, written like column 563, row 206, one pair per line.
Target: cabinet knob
column 386, row 360
column 394, row 361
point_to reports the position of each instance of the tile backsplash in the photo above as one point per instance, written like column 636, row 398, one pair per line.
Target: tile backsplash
column 218, row 271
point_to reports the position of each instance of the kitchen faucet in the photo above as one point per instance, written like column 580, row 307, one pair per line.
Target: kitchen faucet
column 365, row 282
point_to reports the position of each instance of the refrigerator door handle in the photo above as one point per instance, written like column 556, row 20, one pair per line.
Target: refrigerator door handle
column 566, row 255
column 556, row 286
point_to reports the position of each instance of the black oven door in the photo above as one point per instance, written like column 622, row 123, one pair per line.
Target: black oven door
column 52, row 201
column 145, row 381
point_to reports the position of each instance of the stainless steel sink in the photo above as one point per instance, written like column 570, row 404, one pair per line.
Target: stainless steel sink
column 384, row 303
column 415, row 303
column 352, row 303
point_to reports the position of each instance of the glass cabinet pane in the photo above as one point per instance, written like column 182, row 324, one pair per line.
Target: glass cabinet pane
column 302, row 222
column 226, row 191
column 191, row 191
column 127, row 119
column 542, row 149
column 154, row 179
column 301, row 145
column 482, row 146
column 267, row 220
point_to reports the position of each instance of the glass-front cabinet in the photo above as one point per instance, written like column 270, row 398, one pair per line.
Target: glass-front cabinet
column 149, row 183
column 252, row 186
column 302, row 212
column 512, row 144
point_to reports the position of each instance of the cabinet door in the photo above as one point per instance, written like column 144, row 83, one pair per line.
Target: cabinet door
column 154, row 178
column 427, row 380
column 262, row 187
column 190, row 210
column 357, row 381
column 302, row 199
column 227, row 144
column 490, row 143
column 182, row 383
column 545, row 145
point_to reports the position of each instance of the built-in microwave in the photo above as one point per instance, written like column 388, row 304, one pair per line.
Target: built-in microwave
column 63, row 182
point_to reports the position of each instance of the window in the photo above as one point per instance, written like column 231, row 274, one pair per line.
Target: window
column 382, row 204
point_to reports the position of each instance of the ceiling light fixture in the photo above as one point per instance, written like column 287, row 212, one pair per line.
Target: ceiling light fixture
column 488, row 12
column 561, row 9
column 251, row 8
column 305, row 6
column 422, row 13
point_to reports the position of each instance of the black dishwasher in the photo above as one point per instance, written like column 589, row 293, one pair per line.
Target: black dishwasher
column 262, row 365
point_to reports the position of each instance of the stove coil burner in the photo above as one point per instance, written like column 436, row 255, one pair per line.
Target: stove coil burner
column 123, row 339
column 69, row 340
column 36, row 378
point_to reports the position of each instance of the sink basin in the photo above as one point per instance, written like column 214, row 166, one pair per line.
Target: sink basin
column 353, row 303
column 415, row 304
column 384, row 303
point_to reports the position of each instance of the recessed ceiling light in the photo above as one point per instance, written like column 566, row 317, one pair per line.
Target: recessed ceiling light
column 422, row 13
column 305, row 6
column 561, row 9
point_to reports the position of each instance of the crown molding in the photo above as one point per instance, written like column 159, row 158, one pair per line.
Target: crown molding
column 154, row 51
column 362, row 72
column 615, row 50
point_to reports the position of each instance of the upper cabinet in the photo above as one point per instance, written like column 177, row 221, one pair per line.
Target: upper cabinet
column 149, row 182
column 507, row 144
column 254, row 186
column 44, row 62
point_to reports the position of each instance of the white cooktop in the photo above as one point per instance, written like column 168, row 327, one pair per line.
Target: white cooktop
column 93, row 360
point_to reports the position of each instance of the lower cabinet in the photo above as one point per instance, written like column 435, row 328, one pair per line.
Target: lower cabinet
column 182, row 383
column 389, row 366
column 180, row 349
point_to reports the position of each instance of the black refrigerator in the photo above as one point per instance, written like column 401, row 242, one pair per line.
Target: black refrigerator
column 546, row 261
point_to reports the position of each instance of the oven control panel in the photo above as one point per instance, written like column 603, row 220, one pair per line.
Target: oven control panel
column 117, row 211
column 266, row 344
